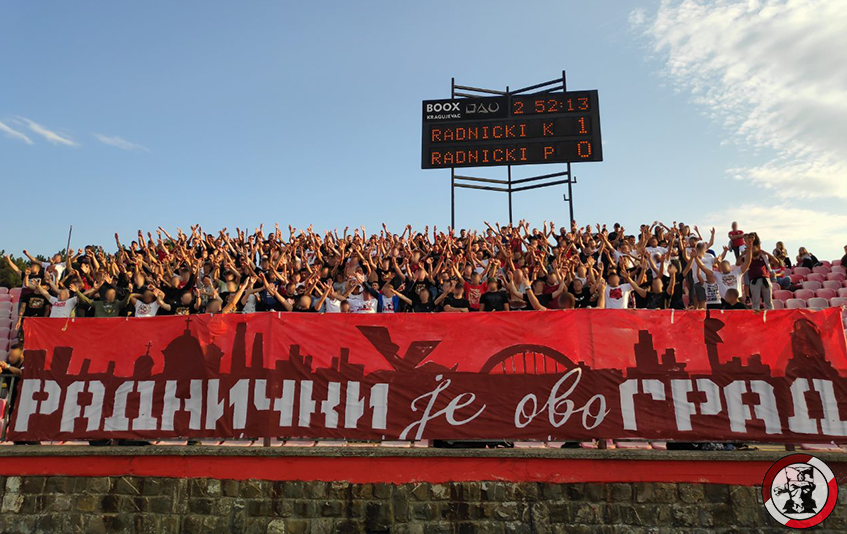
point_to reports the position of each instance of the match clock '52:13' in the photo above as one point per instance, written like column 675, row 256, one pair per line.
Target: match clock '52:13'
column 511, row 130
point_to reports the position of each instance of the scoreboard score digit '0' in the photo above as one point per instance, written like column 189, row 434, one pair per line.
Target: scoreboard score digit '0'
column 516, row 130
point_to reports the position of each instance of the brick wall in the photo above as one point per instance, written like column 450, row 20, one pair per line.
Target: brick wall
column 165, row 505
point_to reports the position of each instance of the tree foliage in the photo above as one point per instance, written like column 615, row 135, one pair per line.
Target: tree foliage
column 8, row 277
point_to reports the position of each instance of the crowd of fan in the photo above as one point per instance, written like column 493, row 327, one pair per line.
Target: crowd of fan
column 505, row 268
column 509, row 268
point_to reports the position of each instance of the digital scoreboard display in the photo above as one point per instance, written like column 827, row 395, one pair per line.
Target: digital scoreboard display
column 516, row 130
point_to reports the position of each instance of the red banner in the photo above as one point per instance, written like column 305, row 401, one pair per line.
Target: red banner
column 557, row 375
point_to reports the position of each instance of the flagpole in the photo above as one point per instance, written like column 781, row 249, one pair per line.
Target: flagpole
column 68, row 265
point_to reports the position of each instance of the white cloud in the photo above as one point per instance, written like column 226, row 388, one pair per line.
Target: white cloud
column 772, row 71
column 822, row 233
column 8, row 130
column 119, row 142
column 637, row 17
column 50, row 135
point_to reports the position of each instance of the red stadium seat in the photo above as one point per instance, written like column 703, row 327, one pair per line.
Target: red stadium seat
column 793, row 304
column 782, row 294
column 778, row 304
column 822, row 269
column 816, row 277
column 838, row 301
column 4, row 290
column 814, row 285
column 836, row 262
column 826, row 293
column 15, row 291
column 797, row 278
column 835, row 285
column 5, row 297
column 804, row 294
column 805, row 271
column 842, row 292
column 840, row 277
column 817, row 303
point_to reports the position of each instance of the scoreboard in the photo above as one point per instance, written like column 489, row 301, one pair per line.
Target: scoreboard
column 511, row 130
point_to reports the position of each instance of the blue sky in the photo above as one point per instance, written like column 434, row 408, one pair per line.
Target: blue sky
column 119, row 116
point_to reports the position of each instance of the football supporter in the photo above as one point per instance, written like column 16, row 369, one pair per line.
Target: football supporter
column 506, row 268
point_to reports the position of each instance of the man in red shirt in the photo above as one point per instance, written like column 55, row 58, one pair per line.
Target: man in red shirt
column 736, row 240
column 474, row 290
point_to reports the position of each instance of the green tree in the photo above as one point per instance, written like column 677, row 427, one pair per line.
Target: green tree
column 8, row 277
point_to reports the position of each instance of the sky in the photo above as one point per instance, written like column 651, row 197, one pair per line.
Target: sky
column 120, row 116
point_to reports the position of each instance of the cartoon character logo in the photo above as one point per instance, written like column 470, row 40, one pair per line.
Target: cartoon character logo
column 799, row 491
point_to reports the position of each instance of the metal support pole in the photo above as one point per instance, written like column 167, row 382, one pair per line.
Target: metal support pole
column 509, row 167
column 453, row 170
column 452, row 197
column 570, row 192
column 570, row 176
column 509, row 170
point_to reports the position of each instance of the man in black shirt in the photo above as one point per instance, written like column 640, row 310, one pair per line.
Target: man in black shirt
column 33, row 304
column 417, row 282
column 658, row 296
column 424, row 304
column 454, row 300
column 581, row 293
column 494, row 299
column 537, row 289
column 188, row 303
column 731, row 302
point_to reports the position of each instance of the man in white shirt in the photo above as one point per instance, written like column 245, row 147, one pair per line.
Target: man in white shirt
column 617, row 294
column 64, row 305
column 730, row 276
column 706, row 258
column 149, row 303
column 361, row 302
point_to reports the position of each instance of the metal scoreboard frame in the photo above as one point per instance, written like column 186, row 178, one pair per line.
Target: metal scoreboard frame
column 535, row 125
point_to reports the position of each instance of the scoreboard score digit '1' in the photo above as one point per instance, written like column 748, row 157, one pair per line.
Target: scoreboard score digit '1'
column 521, row 130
